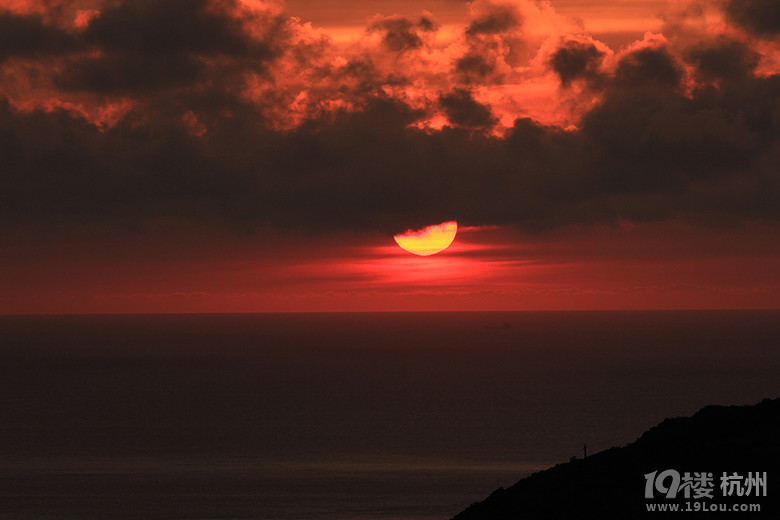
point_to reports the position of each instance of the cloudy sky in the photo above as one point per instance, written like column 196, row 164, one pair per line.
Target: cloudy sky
column 251, row 155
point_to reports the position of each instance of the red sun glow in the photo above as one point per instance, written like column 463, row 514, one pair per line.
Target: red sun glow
column 428, row 241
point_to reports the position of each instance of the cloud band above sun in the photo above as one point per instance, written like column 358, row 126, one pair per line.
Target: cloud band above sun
column 121, row 115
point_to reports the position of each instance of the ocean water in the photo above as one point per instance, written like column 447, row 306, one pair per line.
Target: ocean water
column 405, row 416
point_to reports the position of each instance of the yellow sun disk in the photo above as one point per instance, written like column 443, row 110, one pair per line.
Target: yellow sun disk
column 428, row 241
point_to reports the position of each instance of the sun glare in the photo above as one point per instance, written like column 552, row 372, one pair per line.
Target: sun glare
column 428, row 241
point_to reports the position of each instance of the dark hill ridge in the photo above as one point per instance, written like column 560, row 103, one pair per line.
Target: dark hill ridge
column 611, row 484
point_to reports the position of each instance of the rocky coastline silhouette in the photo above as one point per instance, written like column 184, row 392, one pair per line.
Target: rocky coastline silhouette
column 742, row 442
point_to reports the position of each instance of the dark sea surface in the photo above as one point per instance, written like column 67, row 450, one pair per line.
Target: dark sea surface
column 404, row 416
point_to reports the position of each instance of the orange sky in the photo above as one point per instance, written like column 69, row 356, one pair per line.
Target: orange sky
column 622, row 21
column 260, row 156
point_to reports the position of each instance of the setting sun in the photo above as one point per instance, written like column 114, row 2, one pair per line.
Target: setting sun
column 428, row 241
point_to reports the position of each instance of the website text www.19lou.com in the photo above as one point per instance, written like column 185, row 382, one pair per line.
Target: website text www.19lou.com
column 703, row 506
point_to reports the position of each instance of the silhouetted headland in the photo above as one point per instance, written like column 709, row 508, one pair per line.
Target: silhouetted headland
column 612, row 483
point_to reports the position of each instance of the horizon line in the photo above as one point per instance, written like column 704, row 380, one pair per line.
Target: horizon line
column 423, row 311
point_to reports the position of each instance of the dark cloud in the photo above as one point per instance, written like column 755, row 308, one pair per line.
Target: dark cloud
column 493, row 45
column 172, row 27
column 473, row 67
column 130, row 73
column 723, row 59
column 639, row 156
column 147, row 44
column 648, row 66
column 761, row 17
column 702, row 156
column 63, row 169
column 428, row 24
column 400, row 34
column 575, row 60
column 463, row 110
column 499, row 19
column 28, row 36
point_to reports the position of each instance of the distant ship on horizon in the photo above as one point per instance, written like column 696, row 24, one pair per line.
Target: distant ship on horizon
column 503, row 326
